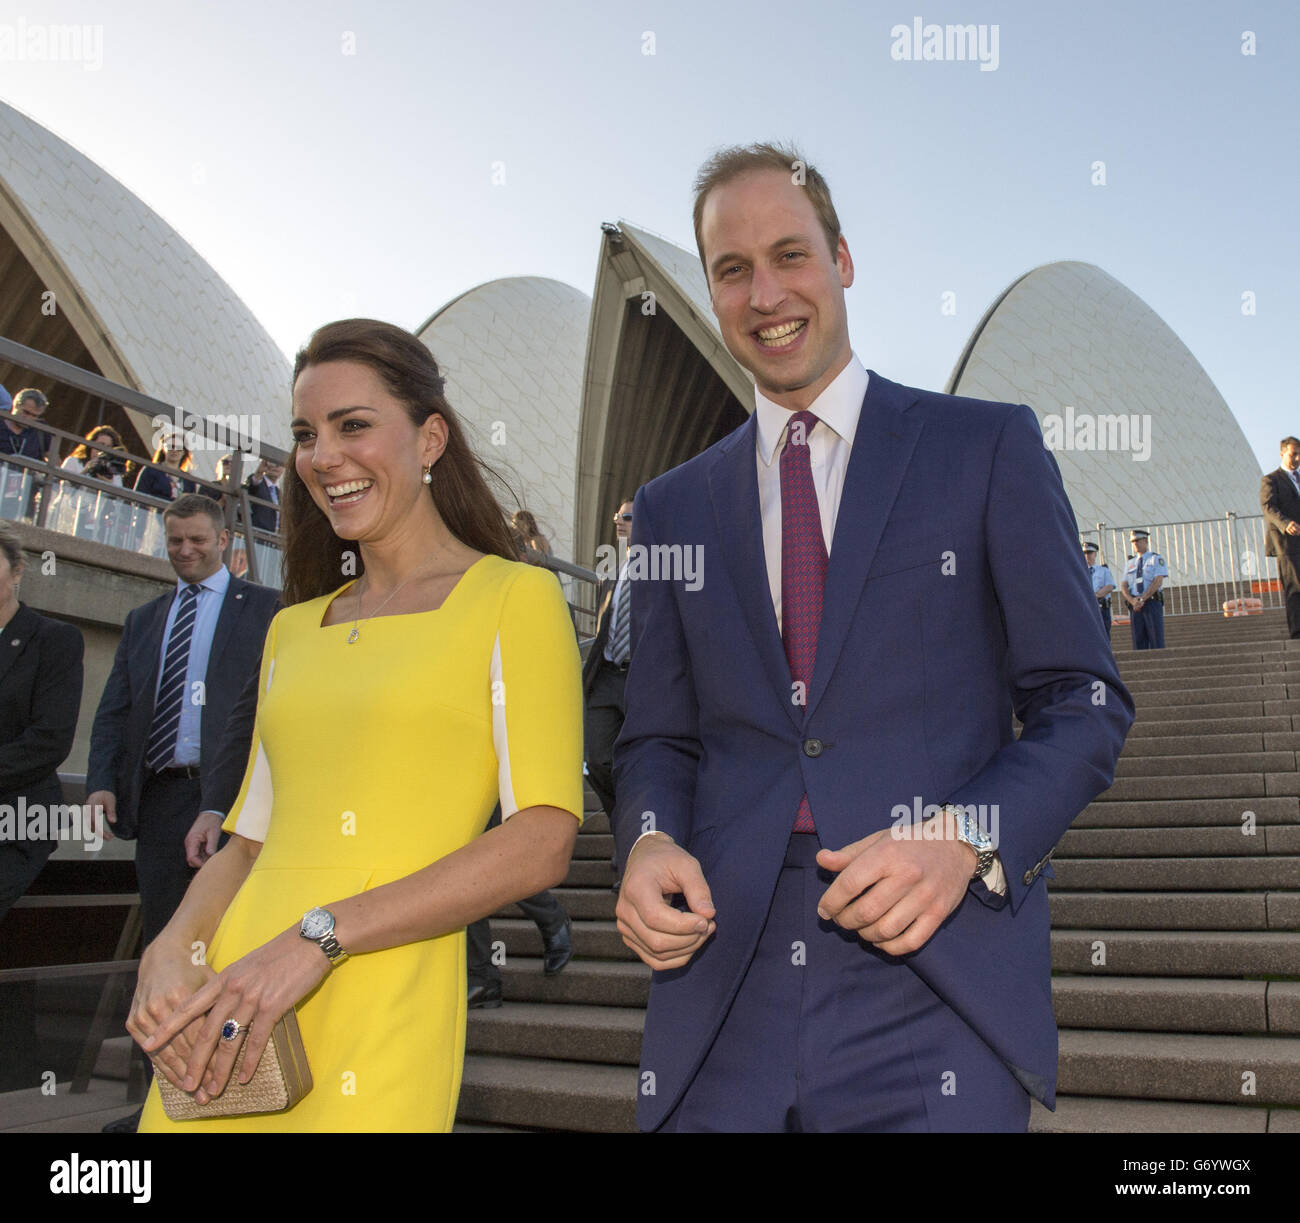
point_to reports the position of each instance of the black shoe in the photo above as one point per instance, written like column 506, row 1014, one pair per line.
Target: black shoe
column 124, row 1125
column 559, row 949
column 485, row 995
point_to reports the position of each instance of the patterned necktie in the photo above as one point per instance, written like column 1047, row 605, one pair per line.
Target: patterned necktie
column 620, row 632
column 171, row 688
column 803, row 566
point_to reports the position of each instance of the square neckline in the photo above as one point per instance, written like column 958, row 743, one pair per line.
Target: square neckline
column 349, row 624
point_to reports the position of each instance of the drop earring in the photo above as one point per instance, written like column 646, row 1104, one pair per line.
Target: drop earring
column 428, row 474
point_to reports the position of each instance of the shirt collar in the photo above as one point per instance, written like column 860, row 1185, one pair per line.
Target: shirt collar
column 838, row 406
column 218, row 583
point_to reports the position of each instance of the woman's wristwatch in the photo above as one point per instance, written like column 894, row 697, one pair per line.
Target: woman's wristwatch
column 318, row 927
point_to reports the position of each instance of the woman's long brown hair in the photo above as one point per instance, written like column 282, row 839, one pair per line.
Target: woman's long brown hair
column 313, row 562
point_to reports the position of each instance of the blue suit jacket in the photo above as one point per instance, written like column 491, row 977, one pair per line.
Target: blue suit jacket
column 955, row 595
column 120, row 732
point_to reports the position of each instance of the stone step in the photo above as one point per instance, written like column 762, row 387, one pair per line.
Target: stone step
column 1175, row 681
column 593, row 873
column 587, row 982
column 1188, row 812
column 1200, row 785
column 1177, row 953
column 548, row 1094
column 1204, row 762
column 1161, row 728
column 592, row 940
column 1241, row 694
column 1243, row 841
column 1211, row 744
column 1176, row 1005
column 582, row 904
column 1094, row 1115
column 598, row 845
column 1178, row 874
column 1178, row 1066
column 607, row 1034
column 1175, row 910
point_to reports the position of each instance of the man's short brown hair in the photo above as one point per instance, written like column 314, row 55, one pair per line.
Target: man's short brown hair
column 727, row 164
column 196, row 503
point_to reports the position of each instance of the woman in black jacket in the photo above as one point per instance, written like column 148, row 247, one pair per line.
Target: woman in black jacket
column 40, row 697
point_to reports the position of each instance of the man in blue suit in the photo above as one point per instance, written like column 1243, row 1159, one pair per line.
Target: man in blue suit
column 832, row 840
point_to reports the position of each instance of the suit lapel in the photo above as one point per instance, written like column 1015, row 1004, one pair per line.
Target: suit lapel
column 882, row 449
column 231, row 606
column 14, row 640
column 733, row 487
column 152, row 642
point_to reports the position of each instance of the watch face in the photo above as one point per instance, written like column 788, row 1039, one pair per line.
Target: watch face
column 317, row 923
column 974, row 835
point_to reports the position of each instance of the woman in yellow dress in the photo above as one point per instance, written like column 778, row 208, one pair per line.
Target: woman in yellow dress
column 394, row 708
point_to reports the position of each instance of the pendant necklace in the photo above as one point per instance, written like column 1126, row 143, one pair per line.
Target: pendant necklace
column 354, row 634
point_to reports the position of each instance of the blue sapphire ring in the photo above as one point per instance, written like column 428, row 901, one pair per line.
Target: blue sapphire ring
column 231, row 1029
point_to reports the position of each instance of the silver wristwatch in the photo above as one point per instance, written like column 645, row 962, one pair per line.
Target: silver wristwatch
column 318, row 927
column 969, row 831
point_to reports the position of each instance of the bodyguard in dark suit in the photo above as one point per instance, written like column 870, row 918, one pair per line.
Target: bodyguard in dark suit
column 264, row 483
column 40, row 695
column 182, row 663
column 1279, row 498
column 604, row 674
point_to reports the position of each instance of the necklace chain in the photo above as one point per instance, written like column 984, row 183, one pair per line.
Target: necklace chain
column 357, row 620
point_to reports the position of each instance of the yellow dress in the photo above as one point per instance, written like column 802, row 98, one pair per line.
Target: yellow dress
column 369, row 761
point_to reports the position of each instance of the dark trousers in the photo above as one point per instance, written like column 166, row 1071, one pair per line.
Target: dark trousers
column 1104, row 604
column 827, row 1034
column 602, row 720
column 1289, row 571
column 545, row 911
column 20, row 863
column 1148, row 627
column 168, row 806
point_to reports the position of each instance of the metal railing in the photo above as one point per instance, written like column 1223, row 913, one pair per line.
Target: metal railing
column 1210, row 561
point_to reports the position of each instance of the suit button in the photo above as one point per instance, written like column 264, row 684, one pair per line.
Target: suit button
column 812, row 747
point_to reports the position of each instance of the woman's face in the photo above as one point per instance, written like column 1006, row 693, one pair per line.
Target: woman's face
column 358, row 452
column 174, row 448
column 8, row 580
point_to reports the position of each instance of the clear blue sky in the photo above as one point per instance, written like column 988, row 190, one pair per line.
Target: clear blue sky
column 322, row 184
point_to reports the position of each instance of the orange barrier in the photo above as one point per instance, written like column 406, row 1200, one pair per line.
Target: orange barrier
column 1243, row 607
column 1271, row 586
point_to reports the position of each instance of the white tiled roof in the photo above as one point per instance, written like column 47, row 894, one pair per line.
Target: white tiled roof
column 512, row 352
column 180, row 331
column 1068, row 334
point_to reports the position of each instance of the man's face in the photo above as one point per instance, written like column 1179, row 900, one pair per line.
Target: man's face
column 1291, row 457
column 777, row 290
column 272, row 471
column 1090, row 558
column 194, row 546
column 27, row 409
column 1139, row 544
column 623, row 521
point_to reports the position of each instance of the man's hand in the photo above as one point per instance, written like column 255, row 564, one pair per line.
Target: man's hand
column 105, row 801
column 896, row 892
column 663, row 936
column 201, row 840
column 1293, row 528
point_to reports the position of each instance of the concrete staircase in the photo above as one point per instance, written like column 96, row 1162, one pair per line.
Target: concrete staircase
column 1175, row 919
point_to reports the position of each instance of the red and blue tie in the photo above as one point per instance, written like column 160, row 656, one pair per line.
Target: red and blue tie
column 803, row 566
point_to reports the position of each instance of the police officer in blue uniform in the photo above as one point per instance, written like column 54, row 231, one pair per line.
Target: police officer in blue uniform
column 1144, row 574
column 1103, row 582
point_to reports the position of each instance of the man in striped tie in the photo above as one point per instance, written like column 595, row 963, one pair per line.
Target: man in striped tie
column 833, row 842
column 604, row 671
column 182, row 662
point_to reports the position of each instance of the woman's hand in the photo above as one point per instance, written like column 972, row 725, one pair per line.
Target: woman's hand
column 168, row 977
column 254, row 991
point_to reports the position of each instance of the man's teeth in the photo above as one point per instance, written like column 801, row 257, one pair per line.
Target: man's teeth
column 337, row 492
column 779, row 337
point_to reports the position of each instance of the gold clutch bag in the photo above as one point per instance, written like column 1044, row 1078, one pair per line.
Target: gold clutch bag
column 281, row 1079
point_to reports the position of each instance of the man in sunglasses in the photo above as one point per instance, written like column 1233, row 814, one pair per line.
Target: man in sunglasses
column 604, row 673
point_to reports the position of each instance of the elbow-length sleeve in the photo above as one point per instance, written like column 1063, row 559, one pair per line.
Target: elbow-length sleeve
column 250, row 816
column 536, row 678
